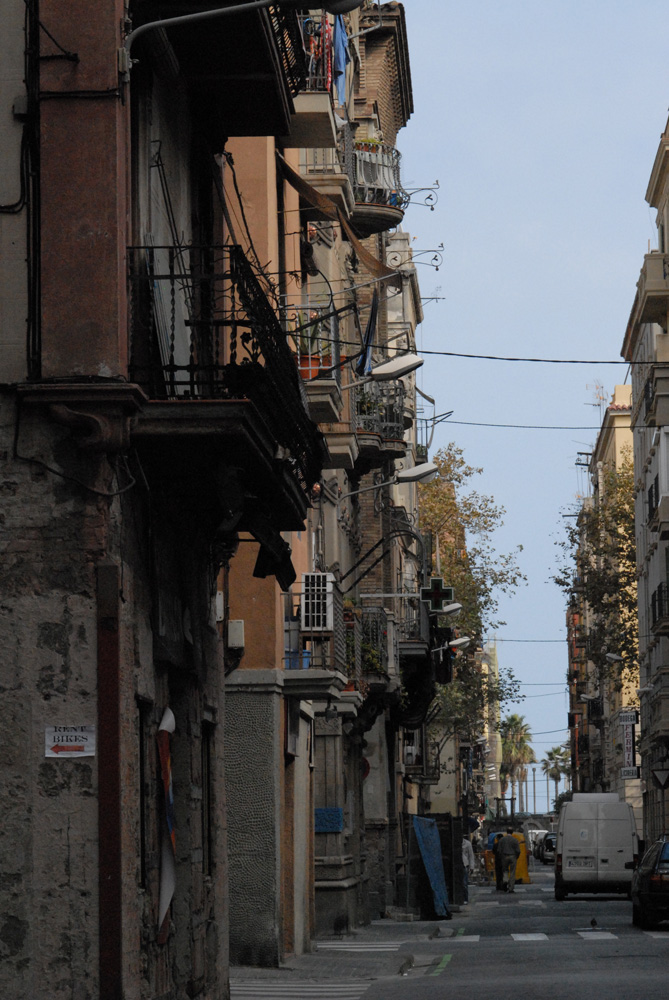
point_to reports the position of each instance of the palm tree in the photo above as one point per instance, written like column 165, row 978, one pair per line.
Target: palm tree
column 516, row 751
column 555, row 764
column 528, row 757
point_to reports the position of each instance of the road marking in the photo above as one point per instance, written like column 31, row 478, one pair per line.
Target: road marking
column 597, row 935
column 265, row 990
column 442, row 965
column 530, row 937
column 359, row 946
column 467, row 938
column 658, row 935
column 531, row 902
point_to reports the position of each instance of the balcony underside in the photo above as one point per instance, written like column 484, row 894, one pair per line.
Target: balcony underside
column 242, row 69
column 190, row 446
column 312, row 684
column 368, row 219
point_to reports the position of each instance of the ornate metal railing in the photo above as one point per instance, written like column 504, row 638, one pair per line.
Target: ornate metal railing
column 379, row 409
column 414, row 622
column 201, row 327
column 317, row 42
column 374, row 640
column 314, row 333
column 289, row 39
column 377, row 175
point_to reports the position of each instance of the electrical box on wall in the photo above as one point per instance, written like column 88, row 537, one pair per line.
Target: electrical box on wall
column 236, row 633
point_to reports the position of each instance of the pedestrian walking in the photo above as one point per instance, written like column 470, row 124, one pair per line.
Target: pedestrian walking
column 508, row 850
column 468, row 865
column 499, row 873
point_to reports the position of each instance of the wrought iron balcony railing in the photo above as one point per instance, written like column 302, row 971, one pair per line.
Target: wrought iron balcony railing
column 377, row 175
column 414, row 623
column 374, row 653
column 380, row 409
column 317, row 42
column 202, row 328
column 314, row 332
column 289, row 38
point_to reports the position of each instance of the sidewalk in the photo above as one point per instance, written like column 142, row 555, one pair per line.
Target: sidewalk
column 367, row 953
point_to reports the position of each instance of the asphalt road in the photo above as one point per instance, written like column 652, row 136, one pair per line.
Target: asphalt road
column 524, row 946
column 527, row 946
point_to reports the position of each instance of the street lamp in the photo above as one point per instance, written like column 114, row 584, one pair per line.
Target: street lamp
column 396, row 368
column 461, row 643
column 125, row 62
column 423, row 473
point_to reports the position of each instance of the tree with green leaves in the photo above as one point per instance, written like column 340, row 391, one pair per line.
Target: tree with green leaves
column 462, row 522
column 598, row 574
column 470, row 702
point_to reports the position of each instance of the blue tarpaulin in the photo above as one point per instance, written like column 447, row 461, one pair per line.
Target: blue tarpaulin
column 429, row 843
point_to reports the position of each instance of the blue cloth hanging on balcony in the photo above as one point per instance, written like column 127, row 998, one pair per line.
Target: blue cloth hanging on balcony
column 364, row 365
column 340, row 58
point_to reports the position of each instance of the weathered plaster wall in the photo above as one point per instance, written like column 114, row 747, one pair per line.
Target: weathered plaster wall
column 254, row 760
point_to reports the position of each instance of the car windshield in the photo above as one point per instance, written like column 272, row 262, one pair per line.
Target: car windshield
column 663, row 861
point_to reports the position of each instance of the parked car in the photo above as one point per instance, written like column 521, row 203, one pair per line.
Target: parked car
column 534, row 839
column 547, row 849
column 650, row 886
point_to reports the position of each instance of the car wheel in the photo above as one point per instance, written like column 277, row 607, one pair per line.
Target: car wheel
column 560, row 895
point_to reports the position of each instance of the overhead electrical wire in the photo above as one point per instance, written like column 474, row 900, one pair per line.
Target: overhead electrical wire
column 535, row 361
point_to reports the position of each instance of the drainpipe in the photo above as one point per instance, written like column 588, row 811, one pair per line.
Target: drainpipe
column 109, row 783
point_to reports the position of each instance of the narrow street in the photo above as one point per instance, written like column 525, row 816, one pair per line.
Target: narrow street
column 498, row 948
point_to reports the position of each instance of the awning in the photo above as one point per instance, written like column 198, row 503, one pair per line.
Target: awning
column 328, row 208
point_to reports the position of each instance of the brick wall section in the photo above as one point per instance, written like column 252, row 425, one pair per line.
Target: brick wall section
column 385, row 76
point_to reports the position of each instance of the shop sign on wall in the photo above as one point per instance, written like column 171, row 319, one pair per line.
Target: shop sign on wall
column 69, row 741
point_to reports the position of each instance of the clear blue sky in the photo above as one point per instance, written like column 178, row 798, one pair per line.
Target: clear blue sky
column 541, row 122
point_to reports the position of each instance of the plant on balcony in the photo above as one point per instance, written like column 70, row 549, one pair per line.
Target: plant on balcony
column 371, row 659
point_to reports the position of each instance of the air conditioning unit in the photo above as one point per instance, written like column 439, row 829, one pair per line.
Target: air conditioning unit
column 317, row 603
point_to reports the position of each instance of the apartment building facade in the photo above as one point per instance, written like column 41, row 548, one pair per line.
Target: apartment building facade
column 603, row 675
column 202, row 528
column 646, row 346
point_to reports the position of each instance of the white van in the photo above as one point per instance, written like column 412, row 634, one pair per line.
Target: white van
column 597, row 845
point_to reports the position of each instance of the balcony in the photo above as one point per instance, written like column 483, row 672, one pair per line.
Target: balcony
column 379, row 415
column 330, row 173
column 380, row 200
column 314, row 334
column 656, row 397
column 313, row 122
column 224, row 391
column 413, row 629
column 242, row 70
column 659, row 610
column 652, row 301
column 374, row 650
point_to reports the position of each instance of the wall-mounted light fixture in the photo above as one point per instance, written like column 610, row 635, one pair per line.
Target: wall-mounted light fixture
column 387, row 371
column 423, row 473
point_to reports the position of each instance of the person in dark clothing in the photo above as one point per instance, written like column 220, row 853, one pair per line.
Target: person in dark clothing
column 499, row 874
column 508, row 850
